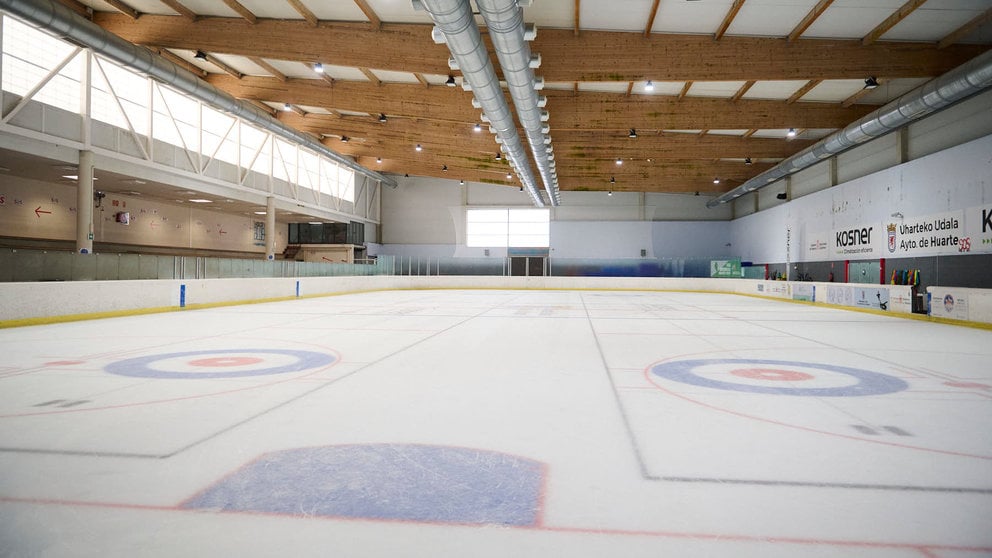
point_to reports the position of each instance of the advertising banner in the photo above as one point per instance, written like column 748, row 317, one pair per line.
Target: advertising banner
column 948, row 303
column 964, row 231
column 725, row 268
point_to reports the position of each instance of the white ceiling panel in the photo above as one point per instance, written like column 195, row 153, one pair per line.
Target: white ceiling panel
column 769, row 18
column 779, row 90
column 616, row 15
column 342, row 72
column 779, row 133
column 550, row 14
column 143, row 6
column 714, row 88
column 660, row 87
column 314, row 110
column 680, row 16
column 558, row 85
column 852, row 19
column 890, row 89
column 435, row 79
column 834, row 90
column 239, row 63
column 396, row 11
column 335, row 11
column 202, row 7
column 293, row 69
column 727, row 132
column 935, row 20
column 396, row 77
column 269, row 9
column 603, row 86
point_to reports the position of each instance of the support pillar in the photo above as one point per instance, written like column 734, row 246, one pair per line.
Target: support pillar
column 84, row 204
column 270, row 228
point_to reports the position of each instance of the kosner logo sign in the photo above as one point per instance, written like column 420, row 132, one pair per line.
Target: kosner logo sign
column 853, row 241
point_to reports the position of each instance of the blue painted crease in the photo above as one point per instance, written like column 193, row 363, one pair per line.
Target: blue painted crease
column 405, row 482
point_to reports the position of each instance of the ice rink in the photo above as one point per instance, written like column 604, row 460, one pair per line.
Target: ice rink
column 498, row 423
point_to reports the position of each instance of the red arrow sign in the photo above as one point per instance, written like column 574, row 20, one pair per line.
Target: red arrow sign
column 38, row 212
column 222, row 232
column 153, row 224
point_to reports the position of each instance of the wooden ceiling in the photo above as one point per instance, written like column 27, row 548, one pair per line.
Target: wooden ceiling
column 721, row 108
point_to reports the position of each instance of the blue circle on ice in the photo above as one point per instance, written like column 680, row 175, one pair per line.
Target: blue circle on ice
column 140, row 367
column 869, row 383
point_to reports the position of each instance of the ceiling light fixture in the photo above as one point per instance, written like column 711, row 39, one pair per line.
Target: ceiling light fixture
column 871, row 82
column 419, row 147
column 521, row 188
column 791, row 133
column 619, row 161
column 613, row 180
column 632, row 134
column 716, row 181
column 201, row 200
column 509, row 176
column 610, row 193
column 461, row 182
column 649, row 86
column 287, row 107
column 747, row 160
column 345, row 139
column 451, row 81
column 499, row 156
column 200, row 55
column 444, row 168
column 382, row 117
column 478, row 127
column 318, row 67
column 378, row 160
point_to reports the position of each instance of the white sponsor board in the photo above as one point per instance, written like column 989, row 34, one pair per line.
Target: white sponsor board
column 949, row 303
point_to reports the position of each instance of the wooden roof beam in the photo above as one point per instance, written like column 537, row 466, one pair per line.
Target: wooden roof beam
column 78, row 7
column 808, row 20
column 179, row 61
column 734, row 8
column 241, row 11
column 261, row 106
column 301, row 9
column 575, row 18
column 223, row 67
column 595, row 56
column 891, row 21
column 123, row 8
column 651, row 16
column 374, row 20
column 803, row 90
column 372, row 77
column 582, row 110
column 420, row 77
column 744, row 89
column 685, row 89
column 966, row 29
column 858, row 94
column 177, row 7
column 268, row 68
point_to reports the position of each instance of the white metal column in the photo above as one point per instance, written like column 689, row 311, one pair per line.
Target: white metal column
column 270, row 228
column 84, row 204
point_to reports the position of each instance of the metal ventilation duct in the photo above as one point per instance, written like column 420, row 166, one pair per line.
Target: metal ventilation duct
column 505, row 20
column 59, row 20
column 456, row 26
column 962, row 82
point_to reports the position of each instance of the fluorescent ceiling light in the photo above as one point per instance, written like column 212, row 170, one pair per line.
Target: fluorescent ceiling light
column 201, row 200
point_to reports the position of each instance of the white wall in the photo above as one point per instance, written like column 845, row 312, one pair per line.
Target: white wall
column 953, row 179
column 426, row 217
